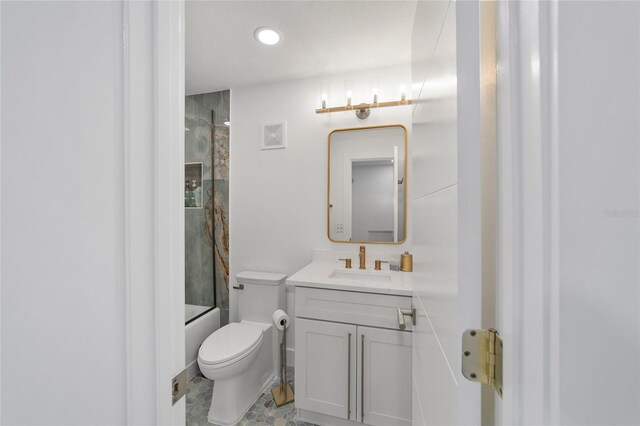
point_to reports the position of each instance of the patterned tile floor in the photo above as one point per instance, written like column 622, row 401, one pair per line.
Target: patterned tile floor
column 263, row 412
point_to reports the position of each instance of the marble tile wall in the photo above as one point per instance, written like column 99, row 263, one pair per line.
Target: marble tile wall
column 207, row 229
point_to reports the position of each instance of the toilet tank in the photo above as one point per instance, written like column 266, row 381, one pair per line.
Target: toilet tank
column 263, row 293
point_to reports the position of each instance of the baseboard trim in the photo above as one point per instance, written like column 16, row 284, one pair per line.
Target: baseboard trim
column 192, row 370
column 323, row 419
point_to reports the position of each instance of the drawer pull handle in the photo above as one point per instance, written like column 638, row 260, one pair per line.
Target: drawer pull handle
column 409, row 312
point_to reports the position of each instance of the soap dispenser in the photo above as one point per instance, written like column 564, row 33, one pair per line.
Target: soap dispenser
column 406, row 262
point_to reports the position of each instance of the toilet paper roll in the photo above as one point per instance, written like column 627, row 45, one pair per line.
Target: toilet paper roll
column 281, row 319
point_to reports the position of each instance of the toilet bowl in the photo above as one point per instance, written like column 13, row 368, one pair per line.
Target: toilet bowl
column 230, row 351
column 241, row 357
column 237, row 357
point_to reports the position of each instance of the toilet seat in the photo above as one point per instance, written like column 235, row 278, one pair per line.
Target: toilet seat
column 230, row 343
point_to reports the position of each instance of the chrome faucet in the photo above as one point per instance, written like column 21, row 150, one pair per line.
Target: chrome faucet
column 363, row 257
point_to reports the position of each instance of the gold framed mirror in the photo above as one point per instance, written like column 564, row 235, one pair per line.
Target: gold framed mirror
column 367, row 185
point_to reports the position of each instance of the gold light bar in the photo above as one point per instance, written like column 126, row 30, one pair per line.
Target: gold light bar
column 364, row 106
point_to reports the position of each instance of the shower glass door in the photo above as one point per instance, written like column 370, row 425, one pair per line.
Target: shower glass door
column 206, row 204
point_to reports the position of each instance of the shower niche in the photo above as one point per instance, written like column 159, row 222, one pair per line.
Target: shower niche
column 193, row 185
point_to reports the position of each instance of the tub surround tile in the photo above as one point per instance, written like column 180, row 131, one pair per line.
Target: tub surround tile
column 218, row 102
column 221, row 241
column 199, row 289
column 221, row 153
column 224, row 317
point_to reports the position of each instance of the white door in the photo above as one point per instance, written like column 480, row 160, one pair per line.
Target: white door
column 347, row 199
column 114, row 71
column 325, row 367
column 448, row 210
column 395, row 194
column 564, row 174
column 435, row 192
column 384, row 379
column 569, row 202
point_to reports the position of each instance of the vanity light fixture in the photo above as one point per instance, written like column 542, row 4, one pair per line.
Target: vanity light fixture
column 363, row 110
column 267, row 36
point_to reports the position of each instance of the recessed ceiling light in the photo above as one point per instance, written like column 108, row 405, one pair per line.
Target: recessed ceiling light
column 267, row 36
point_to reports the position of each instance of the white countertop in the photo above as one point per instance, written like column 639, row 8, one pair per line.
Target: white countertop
column 317, row 275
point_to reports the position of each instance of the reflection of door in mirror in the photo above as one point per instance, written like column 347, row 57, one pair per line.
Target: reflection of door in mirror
column 367, row 168
column 373, row 201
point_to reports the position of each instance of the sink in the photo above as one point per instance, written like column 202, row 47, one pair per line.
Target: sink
column 375, row 276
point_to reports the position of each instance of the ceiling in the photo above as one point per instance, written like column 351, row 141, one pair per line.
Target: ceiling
column 318, row 37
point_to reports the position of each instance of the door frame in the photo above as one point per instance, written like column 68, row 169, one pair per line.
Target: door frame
column 153, row 133
column 169, row 214
column 526, row 223
column 527, row 99
column 528, row 240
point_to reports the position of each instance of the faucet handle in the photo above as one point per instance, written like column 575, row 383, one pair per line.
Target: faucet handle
column 347, row 263
column 379, row 263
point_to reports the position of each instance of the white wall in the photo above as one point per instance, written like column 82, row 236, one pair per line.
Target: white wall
column 435, row 213
column 81, row 342
column 278, row 197
column 63, row 310
column 599, row 163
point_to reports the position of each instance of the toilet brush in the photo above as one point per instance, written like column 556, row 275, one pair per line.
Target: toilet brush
column 282, row 393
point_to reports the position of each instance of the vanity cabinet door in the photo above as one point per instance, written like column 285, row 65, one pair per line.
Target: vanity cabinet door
column 384, row 376
column 325, row 367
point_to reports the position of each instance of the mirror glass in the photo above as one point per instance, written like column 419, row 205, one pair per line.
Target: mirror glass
column 367, row 185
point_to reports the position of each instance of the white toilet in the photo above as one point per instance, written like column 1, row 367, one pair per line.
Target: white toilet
column 241, row 358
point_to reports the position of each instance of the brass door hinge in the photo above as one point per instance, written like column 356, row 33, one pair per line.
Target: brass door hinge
column 482, row 357
column 178, row 386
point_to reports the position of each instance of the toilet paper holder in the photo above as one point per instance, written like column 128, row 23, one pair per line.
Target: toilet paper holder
column 282, row 393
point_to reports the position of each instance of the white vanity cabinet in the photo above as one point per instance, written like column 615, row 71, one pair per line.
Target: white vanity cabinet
column 326, row 367
column 384, row 376
column 353, row 363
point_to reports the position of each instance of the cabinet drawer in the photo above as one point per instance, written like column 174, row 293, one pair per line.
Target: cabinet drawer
column 376, row 310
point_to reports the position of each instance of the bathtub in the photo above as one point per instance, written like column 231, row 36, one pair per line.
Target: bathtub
column 202, row 324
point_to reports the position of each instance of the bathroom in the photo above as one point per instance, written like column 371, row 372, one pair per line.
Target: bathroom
column 319, row 212
column 228, row 110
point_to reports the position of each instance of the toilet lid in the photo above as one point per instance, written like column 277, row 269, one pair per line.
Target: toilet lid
column 229, row 342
